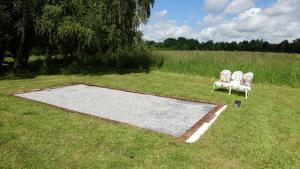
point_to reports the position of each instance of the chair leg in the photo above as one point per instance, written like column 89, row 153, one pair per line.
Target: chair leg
column 246, row 93
column 229, row 90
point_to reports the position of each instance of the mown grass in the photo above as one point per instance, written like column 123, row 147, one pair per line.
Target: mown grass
column 263, row 133
column 271, row 68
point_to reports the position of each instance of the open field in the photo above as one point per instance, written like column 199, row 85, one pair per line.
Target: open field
column 263, row 133
column 271, row 68
column 129, row 84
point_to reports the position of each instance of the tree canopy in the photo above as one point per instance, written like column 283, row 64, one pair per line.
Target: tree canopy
column 69, row 27
column 257, row 45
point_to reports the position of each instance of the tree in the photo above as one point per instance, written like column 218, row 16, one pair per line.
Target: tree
column 5, row 27
column 296, row 46
column 258, row 45
column 27, row 33
column 210, row 45
column 155, row 45
column 284, row 46
column 266, row 46
column 74, row 26
column 192, row 44
column 18, row 27
column 169, row 43
column 93, row 25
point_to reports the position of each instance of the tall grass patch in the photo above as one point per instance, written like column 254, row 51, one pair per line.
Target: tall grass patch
column 272, row 68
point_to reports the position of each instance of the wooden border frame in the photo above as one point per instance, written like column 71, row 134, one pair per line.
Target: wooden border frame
column 205, row 119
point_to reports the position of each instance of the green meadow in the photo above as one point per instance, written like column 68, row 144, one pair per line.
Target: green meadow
column 270, row 68
column 263, row 133
column 53, row 43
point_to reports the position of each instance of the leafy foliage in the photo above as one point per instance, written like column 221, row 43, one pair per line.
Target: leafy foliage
column 72, row 27
column 254, row 45
column 94, row 25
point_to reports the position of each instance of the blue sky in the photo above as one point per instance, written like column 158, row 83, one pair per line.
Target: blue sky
column 189, row 10
column 224, row 20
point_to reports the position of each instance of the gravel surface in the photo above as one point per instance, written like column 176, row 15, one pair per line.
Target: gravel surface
column 160, row 114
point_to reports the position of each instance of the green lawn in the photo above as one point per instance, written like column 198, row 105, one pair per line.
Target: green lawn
column 263, row 133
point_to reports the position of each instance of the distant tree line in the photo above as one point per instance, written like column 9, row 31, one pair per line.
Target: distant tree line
column 69, row 27
column 257, row 45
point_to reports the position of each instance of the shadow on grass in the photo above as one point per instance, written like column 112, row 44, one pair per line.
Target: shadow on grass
column 233, row 92
column 62, row 67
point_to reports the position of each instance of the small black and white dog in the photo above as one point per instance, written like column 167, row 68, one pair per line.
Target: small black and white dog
column 237, row 103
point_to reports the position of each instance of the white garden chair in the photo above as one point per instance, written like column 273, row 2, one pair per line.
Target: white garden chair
column 236, row 78
column 224, row 81
column 244, row 84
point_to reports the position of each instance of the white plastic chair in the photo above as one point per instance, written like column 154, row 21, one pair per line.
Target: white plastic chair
column 245, row 84
column 224, row 81
column 236, row 78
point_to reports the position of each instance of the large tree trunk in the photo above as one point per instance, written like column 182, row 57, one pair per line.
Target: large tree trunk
column 2, row 51
column 27, row 31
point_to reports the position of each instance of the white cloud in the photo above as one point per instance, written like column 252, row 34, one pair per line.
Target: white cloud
column 211, row 19
column 275, row 23
column 215, row 5
column 238, row 6
column 284, row 7
column 163, row 29
column 161, row 14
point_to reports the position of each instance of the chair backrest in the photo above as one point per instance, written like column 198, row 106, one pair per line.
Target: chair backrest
column 247, row 79
column 225, row 75
column 237, row 76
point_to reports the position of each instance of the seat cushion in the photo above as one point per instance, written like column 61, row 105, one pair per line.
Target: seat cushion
column 222, row 84
column 235, row 83
column 240, row 87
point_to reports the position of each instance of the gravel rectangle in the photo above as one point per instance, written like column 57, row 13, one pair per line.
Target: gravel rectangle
column 166, row 115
